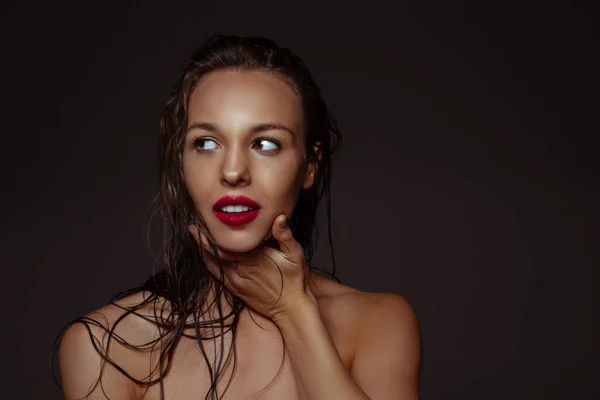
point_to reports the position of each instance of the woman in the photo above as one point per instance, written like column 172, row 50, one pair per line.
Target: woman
column 237, row 313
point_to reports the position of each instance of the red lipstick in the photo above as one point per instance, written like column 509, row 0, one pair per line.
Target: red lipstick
column 240, row 210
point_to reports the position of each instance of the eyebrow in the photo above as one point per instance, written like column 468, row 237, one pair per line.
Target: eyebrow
column 207, row 126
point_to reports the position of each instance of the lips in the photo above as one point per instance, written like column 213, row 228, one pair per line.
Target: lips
column 236, row 218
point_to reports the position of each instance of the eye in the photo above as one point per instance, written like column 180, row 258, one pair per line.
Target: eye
column 204, row 144
column 267, row 144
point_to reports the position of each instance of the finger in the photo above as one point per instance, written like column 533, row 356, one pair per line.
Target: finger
column 283, row 234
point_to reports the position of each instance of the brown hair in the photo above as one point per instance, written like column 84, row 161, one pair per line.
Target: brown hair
column 185, row 280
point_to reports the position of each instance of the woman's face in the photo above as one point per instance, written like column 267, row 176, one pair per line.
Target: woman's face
column 244, row 138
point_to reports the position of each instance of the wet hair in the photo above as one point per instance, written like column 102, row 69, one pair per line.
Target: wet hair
column 184, row 281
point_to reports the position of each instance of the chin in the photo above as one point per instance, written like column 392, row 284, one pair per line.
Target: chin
column 238, row 241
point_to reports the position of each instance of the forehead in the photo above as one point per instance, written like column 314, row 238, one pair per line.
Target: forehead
column 230, row 97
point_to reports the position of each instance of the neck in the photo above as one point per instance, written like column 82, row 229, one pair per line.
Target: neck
column 209, row 308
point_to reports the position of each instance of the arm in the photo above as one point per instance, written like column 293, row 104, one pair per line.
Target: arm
column 80, row 368
column 386, row 364
column 388, row 349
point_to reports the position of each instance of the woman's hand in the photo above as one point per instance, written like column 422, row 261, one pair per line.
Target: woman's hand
column 269, row 281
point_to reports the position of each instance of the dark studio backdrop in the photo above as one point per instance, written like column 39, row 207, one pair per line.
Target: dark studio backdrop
column 466, row 181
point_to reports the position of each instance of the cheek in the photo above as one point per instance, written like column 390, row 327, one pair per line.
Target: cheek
column 197, row 184
column 282, row 184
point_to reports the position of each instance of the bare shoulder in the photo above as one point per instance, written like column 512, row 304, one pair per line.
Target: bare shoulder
column 335, row 297
column 387, row 305
column 387, row 345
column 346, row 307
column 385, row 314
column 372, row 316
column 368, row 303
column 130, row 318
column 387, row 348
column 91, row 344
column 325, row 287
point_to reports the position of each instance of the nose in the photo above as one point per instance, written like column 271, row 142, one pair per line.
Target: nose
column 234, row 171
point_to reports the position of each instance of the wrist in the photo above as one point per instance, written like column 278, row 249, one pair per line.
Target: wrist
column 298, row 310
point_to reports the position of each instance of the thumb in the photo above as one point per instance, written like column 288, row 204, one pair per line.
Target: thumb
column 283, row 234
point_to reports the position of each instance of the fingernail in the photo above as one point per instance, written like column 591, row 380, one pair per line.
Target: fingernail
column 283, row 223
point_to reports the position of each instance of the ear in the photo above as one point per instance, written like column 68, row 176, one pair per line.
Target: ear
column 313, row 164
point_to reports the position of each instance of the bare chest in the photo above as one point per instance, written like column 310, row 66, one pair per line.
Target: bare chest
column 257, row 367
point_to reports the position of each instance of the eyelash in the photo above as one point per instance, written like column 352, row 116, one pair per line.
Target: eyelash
column 197, row 142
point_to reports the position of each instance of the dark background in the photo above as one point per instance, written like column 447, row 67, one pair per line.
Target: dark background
column 466, row 182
